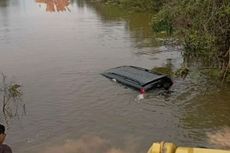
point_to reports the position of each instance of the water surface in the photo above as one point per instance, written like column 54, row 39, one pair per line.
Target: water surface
column 58, row 57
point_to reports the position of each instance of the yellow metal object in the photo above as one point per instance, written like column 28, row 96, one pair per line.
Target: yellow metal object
column 162, row 147
column 165, row 147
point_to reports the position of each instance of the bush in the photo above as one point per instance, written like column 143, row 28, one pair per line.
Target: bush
column 203, row 26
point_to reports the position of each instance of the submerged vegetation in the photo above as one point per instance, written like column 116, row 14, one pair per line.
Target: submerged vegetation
column 203, row 28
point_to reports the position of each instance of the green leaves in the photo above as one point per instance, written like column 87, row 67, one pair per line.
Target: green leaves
column 202, row 25
column 227, row 10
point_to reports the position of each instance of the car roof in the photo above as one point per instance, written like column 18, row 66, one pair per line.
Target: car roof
column 140, row 75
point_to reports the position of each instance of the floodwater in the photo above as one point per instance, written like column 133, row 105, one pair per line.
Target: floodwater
column 58, row 58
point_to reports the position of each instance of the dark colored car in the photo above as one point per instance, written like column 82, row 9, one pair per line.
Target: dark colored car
column 139, row 78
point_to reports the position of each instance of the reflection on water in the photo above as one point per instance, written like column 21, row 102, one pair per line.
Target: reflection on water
column 138, row 24
column 55, row 5
column 90, row 144
column 79, row 3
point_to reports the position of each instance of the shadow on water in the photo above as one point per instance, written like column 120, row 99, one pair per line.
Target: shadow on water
column 4, row 3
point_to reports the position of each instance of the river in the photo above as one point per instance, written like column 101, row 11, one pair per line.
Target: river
column 58, row 58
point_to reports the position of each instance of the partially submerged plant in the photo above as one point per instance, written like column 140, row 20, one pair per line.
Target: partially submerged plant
column 11, row 98
column 182, row 72
column 14, row 90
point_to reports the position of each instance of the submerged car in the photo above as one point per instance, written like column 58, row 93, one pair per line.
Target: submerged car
column 139, row 78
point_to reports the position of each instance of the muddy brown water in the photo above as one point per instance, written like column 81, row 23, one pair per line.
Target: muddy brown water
column 58, row 58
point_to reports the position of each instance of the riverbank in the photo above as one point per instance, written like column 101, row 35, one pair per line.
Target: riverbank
column 201, row 35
